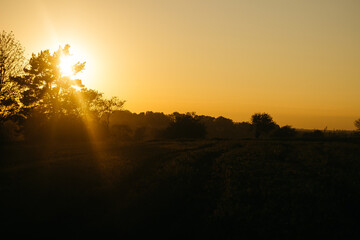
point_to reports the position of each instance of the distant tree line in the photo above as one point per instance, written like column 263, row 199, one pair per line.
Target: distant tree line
column 125, row 125
column 144, row 126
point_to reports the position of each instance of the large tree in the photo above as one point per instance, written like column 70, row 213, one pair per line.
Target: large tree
column 47, row 97
column 43, row 86
column 46, row 90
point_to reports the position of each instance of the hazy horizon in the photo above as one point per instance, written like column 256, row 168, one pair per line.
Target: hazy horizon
column 297, row 61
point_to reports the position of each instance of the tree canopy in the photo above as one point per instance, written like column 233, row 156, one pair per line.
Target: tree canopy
column 12, row 58
column 12, row 62
column 40, row 94
column 185, row 126
column 45, row 88
column 263, row 123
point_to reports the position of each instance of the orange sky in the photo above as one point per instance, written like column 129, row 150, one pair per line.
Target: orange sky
column 299, row 61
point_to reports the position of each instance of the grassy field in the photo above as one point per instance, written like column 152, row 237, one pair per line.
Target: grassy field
column 182, row 189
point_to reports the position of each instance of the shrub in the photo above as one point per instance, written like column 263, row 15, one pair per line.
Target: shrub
column 284, row 132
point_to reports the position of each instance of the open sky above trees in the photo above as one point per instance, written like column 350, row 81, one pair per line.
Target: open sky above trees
column 297, row 60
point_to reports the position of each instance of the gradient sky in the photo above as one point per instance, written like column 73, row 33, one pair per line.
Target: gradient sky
column 298, row 60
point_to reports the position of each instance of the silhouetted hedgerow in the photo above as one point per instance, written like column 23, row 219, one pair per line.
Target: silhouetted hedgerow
column 185, row 126
column 284, row 132
column 151, row 125
column 316, row 134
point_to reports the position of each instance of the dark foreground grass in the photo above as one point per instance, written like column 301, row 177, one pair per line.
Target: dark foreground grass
column 189, row 189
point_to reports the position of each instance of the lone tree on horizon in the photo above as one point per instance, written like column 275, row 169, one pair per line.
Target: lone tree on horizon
column 263, row 123
column 357, row 124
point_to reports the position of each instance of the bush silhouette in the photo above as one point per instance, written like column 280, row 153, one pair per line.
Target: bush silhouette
column 263, row 124
column 284, row 132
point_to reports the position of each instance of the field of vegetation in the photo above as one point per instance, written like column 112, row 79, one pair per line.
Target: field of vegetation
column 223, row 189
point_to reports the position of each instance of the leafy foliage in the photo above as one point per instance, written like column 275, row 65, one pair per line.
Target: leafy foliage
column 12, row 62
column 42, row 97
column 45, row 88
column 12, row 58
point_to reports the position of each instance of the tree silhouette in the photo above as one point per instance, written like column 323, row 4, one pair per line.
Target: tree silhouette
column 50, row 101
column 185, row 126
column 357, row 124
column 284, row 132
column 45, row 88
column 106, row 107
column 12, row 62
column 11, row 57
column 263, row 124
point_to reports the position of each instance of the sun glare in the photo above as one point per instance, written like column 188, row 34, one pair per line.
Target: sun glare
column 66, row 65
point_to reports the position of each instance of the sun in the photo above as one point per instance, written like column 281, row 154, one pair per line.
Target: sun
column 66, row 65
column 73, row 65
